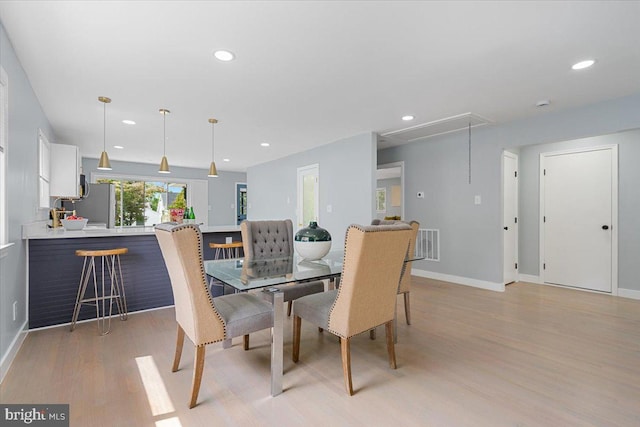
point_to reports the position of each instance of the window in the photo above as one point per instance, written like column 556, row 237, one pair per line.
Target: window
column 4, row 136
column 142, row 203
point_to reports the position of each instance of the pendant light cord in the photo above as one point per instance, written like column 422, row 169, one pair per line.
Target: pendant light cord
column 104, row 124
column 164, row 133
column 212, row 126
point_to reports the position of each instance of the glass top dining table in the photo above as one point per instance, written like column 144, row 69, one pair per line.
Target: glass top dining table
column 244, row 274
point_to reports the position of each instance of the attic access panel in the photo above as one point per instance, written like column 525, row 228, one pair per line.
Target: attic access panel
column 437, row 127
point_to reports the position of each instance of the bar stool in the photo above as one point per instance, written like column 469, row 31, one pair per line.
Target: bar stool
column 225, row 249
column 111, row 259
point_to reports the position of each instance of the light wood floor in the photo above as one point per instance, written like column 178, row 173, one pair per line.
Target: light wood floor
column 531, row 356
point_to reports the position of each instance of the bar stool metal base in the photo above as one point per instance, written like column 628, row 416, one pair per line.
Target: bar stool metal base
column 224, row 251
column 110, row 265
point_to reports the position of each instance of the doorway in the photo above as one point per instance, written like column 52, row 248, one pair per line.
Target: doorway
column 241, row 202
column 578, row 214
column 308, row 195
column 510, row 216
column 390, row 191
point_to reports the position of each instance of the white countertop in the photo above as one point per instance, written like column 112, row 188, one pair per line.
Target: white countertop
column 39, row 230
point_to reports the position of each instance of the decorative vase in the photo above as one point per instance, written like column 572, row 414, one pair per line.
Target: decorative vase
column 312, row 242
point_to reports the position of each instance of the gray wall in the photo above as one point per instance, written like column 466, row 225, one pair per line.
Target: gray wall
column 347, row 183
column 391, row 210
column 222, row 190
column 25, row 118
column 471, row 235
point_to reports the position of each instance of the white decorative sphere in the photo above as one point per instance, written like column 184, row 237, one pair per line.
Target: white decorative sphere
column 312, row 250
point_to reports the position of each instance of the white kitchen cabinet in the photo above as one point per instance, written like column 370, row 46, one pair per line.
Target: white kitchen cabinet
column 65, row 171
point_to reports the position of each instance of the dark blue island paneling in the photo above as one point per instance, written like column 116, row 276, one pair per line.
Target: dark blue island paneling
column 54, row 274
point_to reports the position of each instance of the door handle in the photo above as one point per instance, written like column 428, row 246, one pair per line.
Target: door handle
column 605, row 227
column 506, row 228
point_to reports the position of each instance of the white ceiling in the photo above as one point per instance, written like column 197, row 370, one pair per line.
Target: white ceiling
column 308, row 73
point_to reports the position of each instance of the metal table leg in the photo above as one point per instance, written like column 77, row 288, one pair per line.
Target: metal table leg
column 277, row 351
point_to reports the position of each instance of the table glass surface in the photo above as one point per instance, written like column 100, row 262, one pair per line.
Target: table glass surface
column 243, row 274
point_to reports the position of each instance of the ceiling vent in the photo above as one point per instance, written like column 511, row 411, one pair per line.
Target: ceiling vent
column 429, row 129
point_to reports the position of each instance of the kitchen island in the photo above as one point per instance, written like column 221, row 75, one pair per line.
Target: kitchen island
column 54, row 269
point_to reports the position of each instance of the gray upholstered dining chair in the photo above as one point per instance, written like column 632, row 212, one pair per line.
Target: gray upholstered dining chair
column 373, row 264
column 274, row 239
column 200, row 317
column 404, row 287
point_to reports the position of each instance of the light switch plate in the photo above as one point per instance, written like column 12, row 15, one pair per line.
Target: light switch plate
column 329, row 208
column 477, row 200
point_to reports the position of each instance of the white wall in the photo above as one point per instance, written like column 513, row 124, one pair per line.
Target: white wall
column 347, row 183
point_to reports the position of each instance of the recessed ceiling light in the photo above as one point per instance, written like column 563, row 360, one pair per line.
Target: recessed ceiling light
column 224, row 55
column 265, row 144
column 226, row 160
column 119, row 147
column 583, row 64
column 128, row 122
column 407, row 118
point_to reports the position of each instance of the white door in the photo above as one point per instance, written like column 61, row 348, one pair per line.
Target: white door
column 510, row 216
column 578, row 204
column 308, row 195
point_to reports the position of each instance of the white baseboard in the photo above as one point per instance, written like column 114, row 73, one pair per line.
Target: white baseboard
column 628, row 293
column 482, row 284
column 115, row 316
column 624, row 293
column 529, row 278
column 11, row 353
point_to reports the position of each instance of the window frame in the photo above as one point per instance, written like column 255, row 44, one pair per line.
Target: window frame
column 95, row 176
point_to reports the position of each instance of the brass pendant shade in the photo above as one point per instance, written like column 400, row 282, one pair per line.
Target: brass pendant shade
column 164, row 164
column 104, row 163
column 213, row 171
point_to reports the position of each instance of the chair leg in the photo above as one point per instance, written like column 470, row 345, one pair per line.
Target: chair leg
column 372, row 333
column 346, row 364
column 407, row 308
column 179, row 343
column 198, row 367
column 289, row 308
column 246, row 342
column 297, row 323
column 390, row 344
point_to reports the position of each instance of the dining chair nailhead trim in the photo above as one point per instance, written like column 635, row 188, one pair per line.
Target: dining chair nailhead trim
column 204, row 279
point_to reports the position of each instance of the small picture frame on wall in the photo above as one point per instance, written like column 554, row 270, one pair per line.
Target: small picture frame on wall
column 381, row 200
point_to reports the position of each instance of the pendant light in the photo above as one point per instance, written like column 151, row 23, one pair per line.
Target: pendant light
column 164, row 164
column 213, row 172
column 104, row 164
